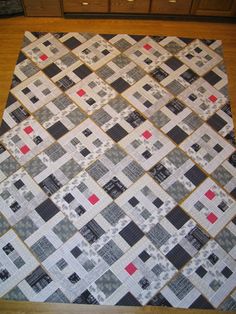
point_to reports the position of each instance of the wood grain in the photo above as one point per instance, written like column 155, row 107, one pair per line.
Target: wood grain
column 10, row 307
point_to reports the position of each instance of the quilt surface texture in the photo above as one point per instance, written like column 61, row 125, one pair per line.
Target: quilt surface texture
column 118, row 173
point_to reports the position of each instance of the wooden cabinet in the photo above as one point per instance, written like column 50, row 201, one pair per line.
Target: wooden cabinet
column 42, row 7
column 130, row 6
column 214, row 7
column 86, row 6
column 171, row 6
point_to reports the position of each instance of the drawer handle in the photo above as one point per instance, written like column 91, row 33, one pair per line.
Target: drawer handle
column 84, row 3
column 130, row 0
column 172, row 1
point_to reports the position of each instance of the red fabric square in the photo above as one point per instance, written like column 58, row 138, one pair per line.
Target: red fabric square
column 24, row 149
column 93, row 199
column 28, row 129
column 147, row 47
column 43, row 57
column 213, row 98
column 212, row 218
column 130, row 268
column 146, row 134
column 80, row 92
column 210, row 195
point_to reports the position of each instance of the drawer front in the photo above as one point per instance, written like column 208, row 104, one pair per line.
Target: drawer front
column 171, row 6
column 214, row 7
column 83, row 6
column 130, row 6
column 42, row 7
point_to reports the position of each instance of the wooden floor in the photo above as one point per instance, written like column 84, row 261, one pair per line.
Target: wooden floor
column 11, row 32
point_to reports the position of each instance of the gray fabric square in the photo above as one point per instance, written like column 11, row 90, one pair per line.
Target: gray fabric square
column 136, row 73
column 115, row 154
column 15, row 139
column 159, row 119
column 35, row 166
column 97, row 170
column 42, row 248
column 64, row 229
column 55, row 151
column 118, row 104
column 178, row 191
column 76, row 116
column 175, row 87
column 101, row 117
column 177, row 157
column 108, row 283
column 4, row 225
column 70, row 168
column 158, row 235
column 122, row 44
column 29, row 196
column 226, row 239
column 113, row 213
column 222, row 175
column 9, row 166
column 105, row 72
column 57, row 297
column 157, row 270
column 193, row 121
column 133, row 171
column 62, row 102
column 15, row 294
column 25, row 227
column 121, row 61
column 5, row 195
column 110, row 252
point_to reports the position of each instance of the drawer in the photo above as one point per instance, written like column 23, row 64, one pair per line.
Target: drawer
column 42, row 8
column 83, row 6
column 130, row 6
column 171, row 6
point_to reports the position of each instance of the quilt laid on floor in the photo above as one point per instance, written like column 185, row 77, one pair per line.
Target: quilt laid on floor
column 118, row 173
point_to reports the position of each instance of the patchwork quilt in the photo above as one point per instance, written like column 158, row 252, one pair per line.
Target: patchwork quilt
column 118, row 173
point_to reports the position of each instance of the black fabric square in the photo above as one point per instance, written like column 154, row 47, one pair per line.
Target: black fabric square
column 34, row 99
column 201, row 303
column 158, row 202
column 198, row 50
column 233, row 193
column 177, row 134
column 196, row 147
column 159, row 300
column 57, row 130
column 159, row 74
column 82, row 71
column 105, row 52
column 178, row 256
column 174, row 63
column 218, row 148
column 117, row 132
column 131, row 233
column 216, row 122
column 90, row 101
column 213, row 258
column 26, row 91
column 37, row 140
column 114, row 187
column 91, row 231
column 85, row 152
column 120, row 85
column 50, row 185
column 47, row 210
column 146, row 154
column 189, row 76
column 147, row 87
column 195, row 175
column 18, row 184
column 128, row 300
column 177, row 217
column 15, row 207
column 201, row 271
column 47, row 43
column 133, row 201
column 192, row 97
column 144, row 256
column 52, row 70
column 69, row 198
column 135, row 119
column 226, row 272
column 72, row 43
column 87, row 132
column 175, row 106
column 86, row 298
column 147, row 104
column 74, row 278
column 76, row 252
column 159, row 173
column 212, row 78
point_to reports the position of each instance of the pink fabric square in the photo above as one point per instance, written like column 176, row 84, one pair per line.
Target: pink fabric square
column 80, row 92
column 93, row 199
column 212, row 218
column 210, row 195
column 147, row 47
column 43, row 57
column 146, row 134
column 131, row 269
column 28, row 129
column 24, row 149
column 213, row 98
